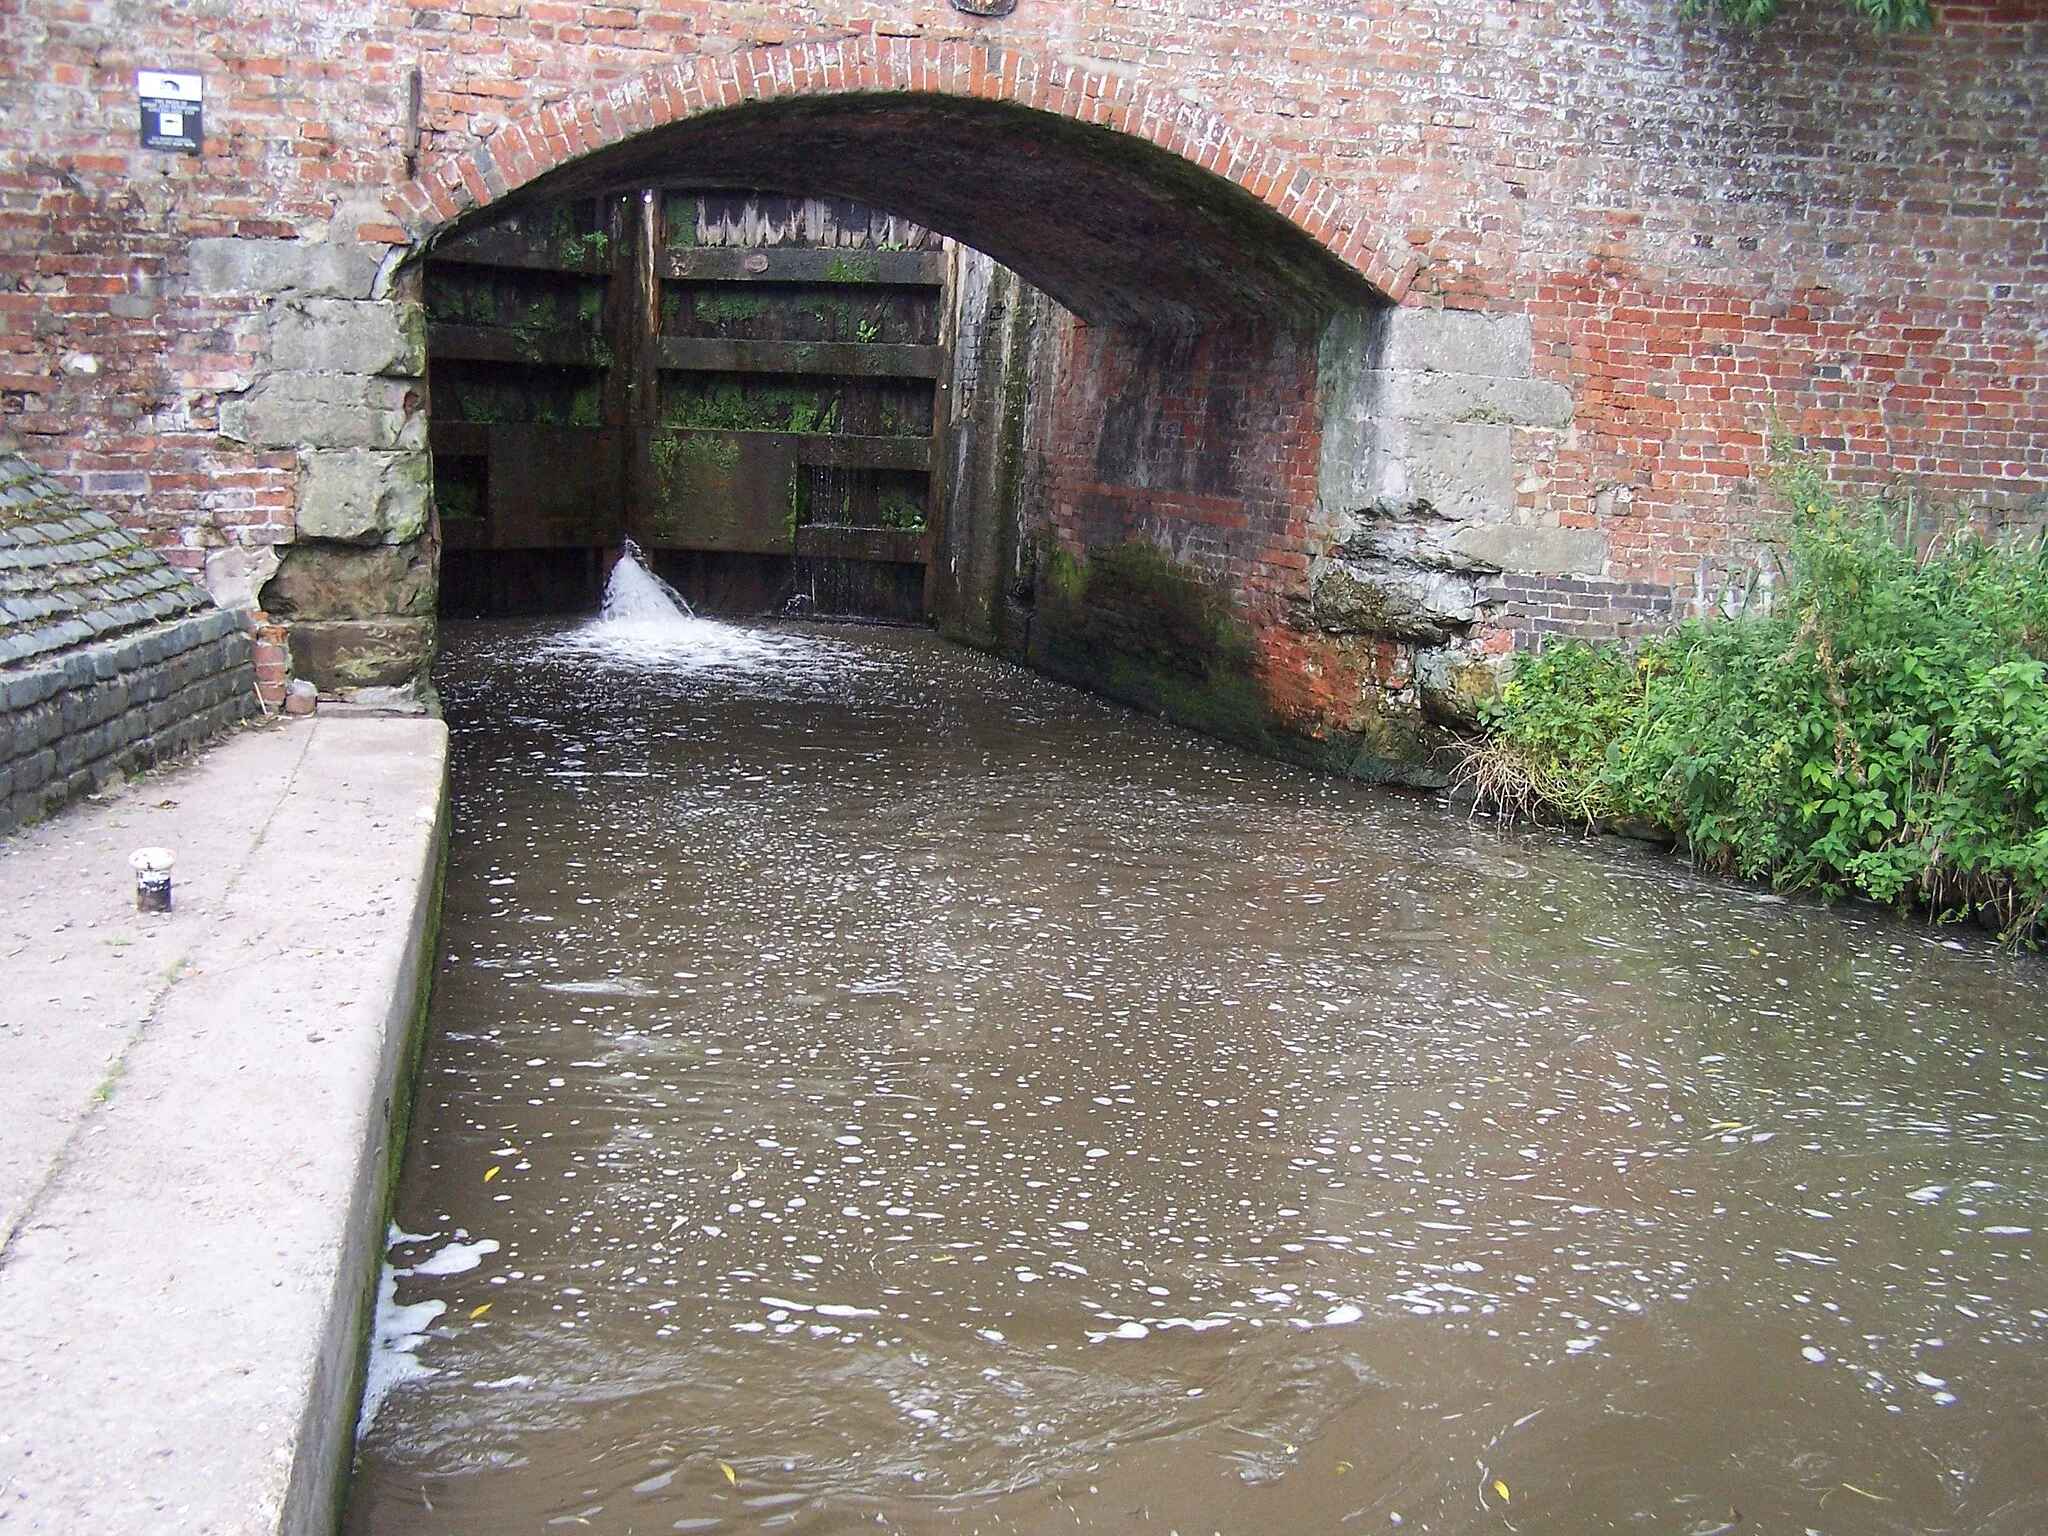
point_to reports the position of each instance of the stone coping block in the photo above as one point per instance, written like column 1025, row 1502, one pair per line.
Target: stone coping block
column 230, row 266
column 325, row 410
column 349, row 336
column 197, row 1125
column 340, row 654
column 361, row 496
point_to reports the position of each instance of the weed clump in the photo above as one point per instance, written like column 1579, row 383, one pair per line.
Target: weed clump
column 1883, row 729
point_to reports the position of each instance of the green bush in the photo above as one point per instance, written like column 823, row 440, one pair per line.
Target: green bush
column 1884, row 729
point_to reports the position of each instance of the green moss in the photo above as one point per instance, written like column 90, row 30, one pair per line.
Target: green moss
column 728, row 309
column 799, row 502
column 853, row 267
column 733, row 407
column 681, row 458
column 1063, row 576
column 1143, row 602
column 1133, row 623
column 571, row 246
column 679, row 220
column 1226, row 702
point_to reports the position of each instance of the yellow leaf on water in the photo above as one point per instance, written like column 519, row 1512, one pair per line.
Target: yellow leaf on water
column 480, row 1311
column 1343, row 1467
column 730, row 1475
column 491, row 1173
column 1501, row 1488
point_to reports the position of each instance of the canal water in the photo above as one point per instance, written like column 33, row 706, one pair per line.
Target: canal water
column 873, row 1087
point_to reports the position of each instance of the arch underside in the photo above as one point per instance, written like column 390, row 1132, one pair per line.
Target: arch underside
column 1115, row 228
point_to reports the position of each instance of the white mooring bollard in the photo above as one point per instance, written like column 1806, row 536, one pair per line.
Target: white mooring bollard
column 152, row 868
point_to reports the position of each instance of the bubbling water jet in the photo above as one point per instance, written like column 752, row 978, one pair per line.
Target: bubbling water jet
column 644, row 623
column 634, row 595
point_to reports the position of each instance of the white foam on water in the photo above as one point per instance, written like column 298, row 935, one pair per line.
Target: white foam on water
column 645, row 623
column 455, row 1259
column 623, row 986
column 395, row 1338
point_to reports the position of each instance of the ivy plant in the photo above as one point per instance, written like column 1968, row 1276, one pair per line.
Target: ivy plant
column 1885, row 15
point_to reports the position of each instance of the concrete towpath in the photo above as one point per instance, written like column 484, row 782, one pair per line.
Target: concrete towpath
column 197, row 1124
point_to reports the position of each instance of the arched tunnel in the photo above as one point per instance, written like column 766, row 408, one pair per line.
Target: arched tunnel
column 1116, row 229
column 1055, row 388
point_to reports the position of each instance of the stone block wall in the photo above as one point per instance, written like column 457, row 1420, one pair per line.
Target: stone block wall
column 337, row 383
column 72, row 722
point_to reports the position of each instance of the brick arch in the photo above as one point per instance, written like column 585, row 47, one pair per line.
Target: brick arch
column 564, row 133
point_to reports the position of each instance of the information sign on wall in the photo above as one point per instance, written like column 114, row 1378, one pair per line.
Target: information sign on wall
column 170, row 111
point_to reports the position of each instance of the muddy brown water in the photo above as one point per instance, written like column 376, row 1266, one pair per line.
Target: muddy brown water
column 873, row 1087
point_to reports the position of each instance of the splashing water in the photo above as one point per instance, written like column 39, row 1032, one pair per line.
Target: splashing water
column 636, row 597
column 645, row 623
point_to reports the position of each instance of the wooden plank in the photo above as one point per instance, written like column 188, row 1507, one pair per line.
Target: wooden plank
column 459, row 439
column 554, row 487
column 831, row 451
column 899, row 546
column 718, row 490
column 732, row 264
column 837, row 359
column 465, row 533
column 825, row 450
column 517, row 248
column 501, row 344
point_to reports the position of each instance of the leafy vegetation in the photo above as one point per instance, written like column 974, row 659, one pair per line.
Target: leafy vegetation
column 897, row 508
column 1883, row 730
column 727, row 406
column 1886, row 15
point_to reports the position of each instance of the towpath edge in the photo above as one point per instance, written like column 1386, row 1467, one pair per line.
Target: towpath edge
column 200, row 1118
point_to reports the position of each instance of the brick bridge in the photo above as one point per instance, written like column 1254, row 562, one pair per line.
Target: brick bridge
column 1346, row 349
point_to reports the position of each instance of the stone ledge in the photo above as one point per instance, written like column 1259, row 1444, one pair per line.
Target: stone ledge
column 193, row 1185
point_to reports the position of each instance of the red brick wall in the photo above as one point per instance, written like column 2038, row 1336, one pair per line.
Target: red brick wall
column 1204, row 445
column 1713, row 232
